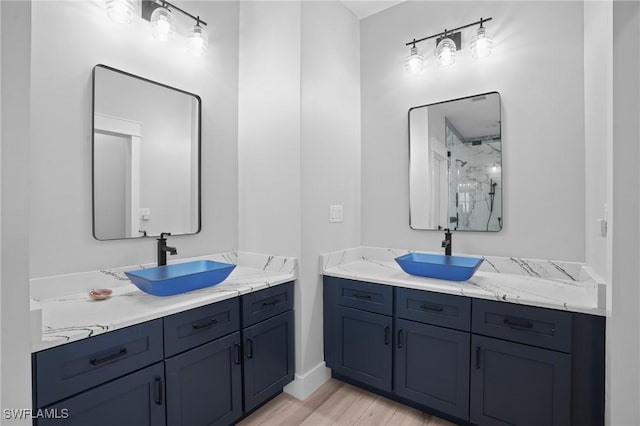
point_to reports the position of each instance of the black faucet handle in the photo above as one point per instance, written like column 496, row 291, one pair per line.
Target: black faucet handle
column 164, row 235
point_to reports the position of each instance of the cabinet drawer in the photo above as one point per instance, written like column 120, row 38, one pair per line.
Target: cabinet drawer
column 186, row 330
column 546, row 328
column 376, row 298
column 266, row 303
column 434, row 308
column 72, row 368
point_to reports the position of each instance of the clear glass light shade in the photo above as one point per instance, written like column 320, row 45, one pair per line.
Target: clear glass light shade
column 163, row 27
column 197, row 41
column 481, row 44
column 121, row 11
column 446, row 52
column 414, row 63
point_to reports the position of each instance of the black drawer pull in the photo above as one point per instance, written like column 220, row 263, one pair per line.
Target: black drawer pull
column 237, row 348
column 386, row 335
column 271, row 303
column 400, row 333
column 207, row 324
column 249, row 348
column 361, row 296
column 518, row 323
column 98, row 361
column 430, row 307
column 478, row 350
column 158, row 395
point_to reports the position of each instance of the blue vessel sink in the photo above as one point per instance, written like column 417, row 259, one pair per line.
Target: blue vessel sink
column 452, row 268
column 179, row 278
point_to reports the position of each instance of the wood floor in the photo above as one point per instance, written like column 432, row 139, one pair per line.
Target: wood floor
column 338, row 403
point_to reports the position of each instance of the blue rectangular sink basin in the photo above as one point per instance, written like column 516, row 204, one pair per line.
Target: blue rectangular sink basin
column 179, row 278
column 452, row 268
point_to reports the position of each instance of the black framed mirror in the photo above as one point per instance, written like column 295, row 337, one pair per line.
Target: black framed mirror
column 455, row 164
column 146, row 157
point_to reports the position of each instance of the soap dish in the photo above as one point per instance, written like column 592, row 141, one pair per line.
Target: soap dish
column 100, row 293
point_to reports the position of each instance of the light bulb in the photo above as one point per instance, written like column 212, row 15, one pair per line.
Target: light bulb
column 163, row 26
column 197, row 41
column 481, row 44
column 446, row 52
column 121, row 11
column 414, row 63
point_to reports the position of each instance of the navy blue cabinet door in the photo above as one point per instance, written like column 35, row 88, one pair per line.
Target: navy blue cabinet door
column 134, row 400
column 432, row 367
column 204, row 384
column 515, row 384
column 363, row 346
column 268, row 358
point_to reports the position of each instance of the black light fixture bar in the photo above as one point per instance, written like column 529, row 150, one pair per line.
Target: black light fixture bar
column 481, row 21
column 152, row 4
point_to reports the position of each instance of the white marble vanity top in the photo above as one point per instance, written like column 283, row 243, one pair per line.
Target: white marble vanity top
column 544, row 283
column 62, row 307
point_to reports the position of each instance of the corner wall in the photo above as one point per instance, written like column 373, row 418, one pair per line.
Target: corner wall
column 299, row 149
column 68, row 39
column 542, row 93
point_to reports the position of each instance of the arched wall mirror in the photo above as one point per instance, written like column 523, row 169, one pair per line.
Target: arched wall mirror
column 455, row 164
column 146, row 157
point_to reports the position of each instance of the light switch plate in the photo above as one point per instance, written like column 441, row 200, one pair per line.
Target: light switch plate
column 335, row 213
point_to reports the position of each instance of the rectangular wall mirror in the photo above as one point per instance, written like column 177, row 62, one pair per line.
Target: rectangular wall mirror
column 455, row 164
column 146, row 157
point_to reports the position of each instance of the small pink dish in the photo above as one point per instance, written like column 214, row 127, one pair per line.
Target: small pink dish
column 100, row 293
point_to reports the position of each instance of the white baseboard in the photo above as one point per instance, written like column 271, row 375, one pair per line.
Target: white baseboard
column 307, row 383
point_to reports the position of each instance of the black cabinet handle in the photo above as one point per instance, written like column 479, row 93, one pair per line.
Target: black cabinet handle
column 361, row 296
column 430, row 307
column 207, row 324
column 237, row 349
column 271, row 303
column 400, row 335
column 98, row 361
column 518, row 323
column 249, row 348
column 478, row 350
column 386, row 335
column 159, row 390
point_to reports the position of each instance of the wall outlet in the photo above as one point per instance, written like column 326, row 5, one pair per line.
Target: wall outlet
column 335, row 213
column 145, row 213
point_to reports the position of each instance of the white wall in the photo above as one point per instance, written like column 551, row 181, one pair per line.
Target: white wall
column 623, row 317
column 60, row 195
column 299, row 148
column 330, row 157
column 15, row 361
column 537, row 66
column 597, row 104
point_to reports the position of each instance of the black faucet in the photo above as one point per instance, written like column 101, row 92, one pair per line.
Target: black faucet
column 163, row 248
column 446, row 243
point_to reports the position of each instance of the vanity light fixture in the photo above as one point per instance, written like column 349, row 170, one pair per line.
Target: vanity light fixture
column 482, row 42
column 121, row 11
column 197, row 40
column 414, row 63
column 448, row 43
column 163, row 27
column 159, row 13
column 446, row 51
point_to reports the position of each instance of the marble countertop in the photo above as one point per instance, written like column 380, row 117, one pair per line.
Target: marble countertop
column 549, row 284
column 61, row 311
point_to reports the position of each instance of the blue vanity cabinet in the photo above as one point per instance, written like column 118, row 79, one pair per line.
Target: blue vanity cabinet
column 358, row 335
column 533, row 366
column 268, row 343
column 431, row 364
column 135, row 399
column 204, row 385
column 203, row 365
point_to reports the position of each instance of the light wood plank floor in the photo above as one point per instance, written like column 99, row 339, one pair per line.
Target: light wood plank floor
column 338, row 403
